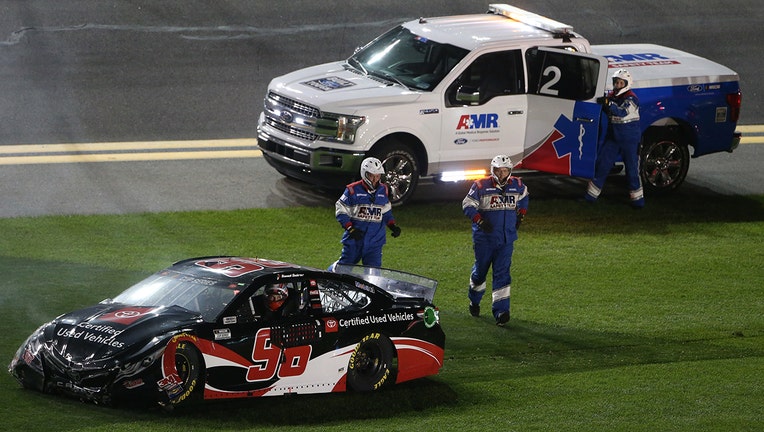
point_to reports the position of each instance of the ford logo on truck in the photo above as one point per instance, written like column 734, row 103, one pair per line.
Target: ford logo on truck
column 286, row 117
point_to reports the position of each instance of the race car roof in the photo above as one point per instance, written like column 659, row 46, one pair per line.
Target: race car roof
column 241, row 269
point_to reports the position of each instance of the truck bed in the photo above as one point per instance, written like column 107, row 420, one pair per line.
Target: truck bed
column 660, row 66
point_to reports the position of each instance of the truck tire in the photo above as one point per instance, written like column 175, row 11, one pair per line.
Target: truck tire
column 664, row 161
column 401, row 170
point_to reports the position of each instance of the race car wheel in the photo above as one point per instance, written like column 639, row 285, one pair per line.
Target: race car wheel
column 401, row 170
column 664, row 162
column 371, row 364
column 188, row 364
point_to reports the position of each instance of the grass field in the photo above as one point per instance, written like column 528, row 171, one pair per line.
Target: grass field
column 621, row 320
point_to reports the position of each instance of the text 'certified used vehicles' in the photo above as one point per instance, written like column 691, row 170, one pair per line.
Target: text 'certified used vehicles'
column 439, row 97
column 234, row 327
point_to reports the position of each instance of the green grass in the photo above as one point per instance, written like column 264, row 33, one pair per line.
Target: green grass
column 621, row 320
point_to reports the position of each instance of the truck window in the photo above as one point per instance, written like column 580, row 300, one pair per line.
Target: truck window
column 561, row 75
column 409, row 59
column 490, row 75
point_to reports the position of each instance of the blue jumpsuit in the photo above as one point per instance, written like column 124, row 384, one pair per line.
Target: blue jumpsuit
column 369, row 212
column 499, row 206
column 622, row 137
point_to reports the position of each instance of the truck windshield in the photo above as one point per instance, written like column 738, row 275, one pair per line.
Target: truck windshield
column 402, row 57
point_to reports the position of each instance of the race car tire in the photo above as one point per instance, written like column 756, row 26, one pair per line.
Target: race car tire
column 664, row 161
column 371, row 364
column 401, row 169
column 189, row 366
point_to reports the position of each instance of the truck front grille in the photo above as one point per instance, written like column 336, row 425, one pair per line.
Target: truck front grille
column 292, row 117
column 299, row 133
column 294, row 105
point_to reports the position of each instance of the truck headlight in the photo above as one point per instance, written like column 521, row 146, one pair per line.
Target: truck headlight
column 338, row 127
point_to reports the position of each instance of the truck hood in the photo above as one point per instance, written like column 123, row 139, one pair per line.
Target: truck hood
column 105, row 331
column 331, row 87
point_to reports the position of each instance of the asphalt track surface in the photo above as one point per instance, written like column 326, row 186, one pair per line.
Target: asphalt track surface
column 125, row 107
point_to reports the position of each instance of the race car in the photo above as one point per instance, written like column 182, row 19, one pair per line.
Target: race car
column 235, row 327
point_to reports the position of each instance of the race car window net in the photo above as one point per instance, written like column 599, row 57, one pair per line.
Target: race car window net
column 336, row 296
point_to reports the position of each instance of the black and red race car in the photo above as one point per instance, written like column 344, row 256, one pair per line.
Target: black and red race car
column 234, row 327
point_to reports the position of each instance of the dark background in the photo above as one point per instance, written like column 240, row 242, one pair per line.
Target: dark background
column 85, row 71
column 103, row 71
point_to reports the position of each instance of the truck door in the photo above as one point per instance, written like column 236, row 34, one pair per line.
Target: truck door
column 564, row 119
column 484, row 113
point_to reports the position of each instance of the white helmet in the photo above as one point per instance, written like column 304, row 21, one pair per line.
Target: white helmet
column 624, row 75
column 501, row 161
column 371, row 165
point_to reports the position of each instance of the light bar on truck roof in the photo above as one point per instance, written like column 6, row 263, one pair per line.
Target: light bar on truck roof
column 529, row 18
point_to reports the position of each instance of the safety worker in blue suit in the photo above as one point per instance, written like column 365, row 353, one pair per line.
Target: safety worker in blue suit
column 364, row 212
column 496, row 205
column 623, row 134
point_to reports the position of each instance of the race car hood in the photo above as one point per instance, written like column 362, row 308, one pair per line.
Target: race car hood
column 108, row 330
column 333, row 87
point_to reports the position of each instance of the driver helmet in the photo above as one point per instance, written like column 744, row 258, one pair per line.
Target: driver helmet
column 624, row 75
column 501, row 161
column 371, row 165
column 275, row 296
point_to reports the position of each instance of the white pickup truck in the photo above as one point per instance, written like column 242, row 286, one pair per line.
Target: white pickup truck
column 439, row 97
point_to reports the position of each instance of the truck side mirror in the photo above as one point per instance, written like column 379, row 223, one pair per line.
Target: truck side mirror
column 468, row 95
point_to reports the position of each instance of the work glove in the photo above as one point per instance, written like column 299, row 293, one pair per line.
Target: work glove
column 603, row 100
column 484, row 225
column 355, row 233
column 395, row 230
column 520, row 216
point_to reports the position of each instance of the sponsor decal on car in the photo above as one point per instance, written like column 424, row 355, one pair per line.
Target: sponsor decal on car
column 331, row 325
column 376, row 319
column 126, row 316
column 93, row 333
column 134, row 383
column 222, row 334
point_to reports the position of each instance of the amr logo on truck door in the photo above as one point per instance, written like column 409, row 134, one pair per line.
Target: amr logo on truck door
column 564, row 119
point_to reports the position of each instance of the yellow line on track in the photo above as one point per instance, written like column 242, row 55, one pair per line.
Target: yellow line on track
column 125, row 157
column 752, row 134
column 751, row 129
column 123, row 146
column 752, row 140
column 25, row 154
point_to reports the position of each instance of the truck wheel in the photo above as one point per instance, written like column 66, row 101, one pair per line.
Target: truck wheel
column 664, row 162
column 371, row 364
column 401, row 171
